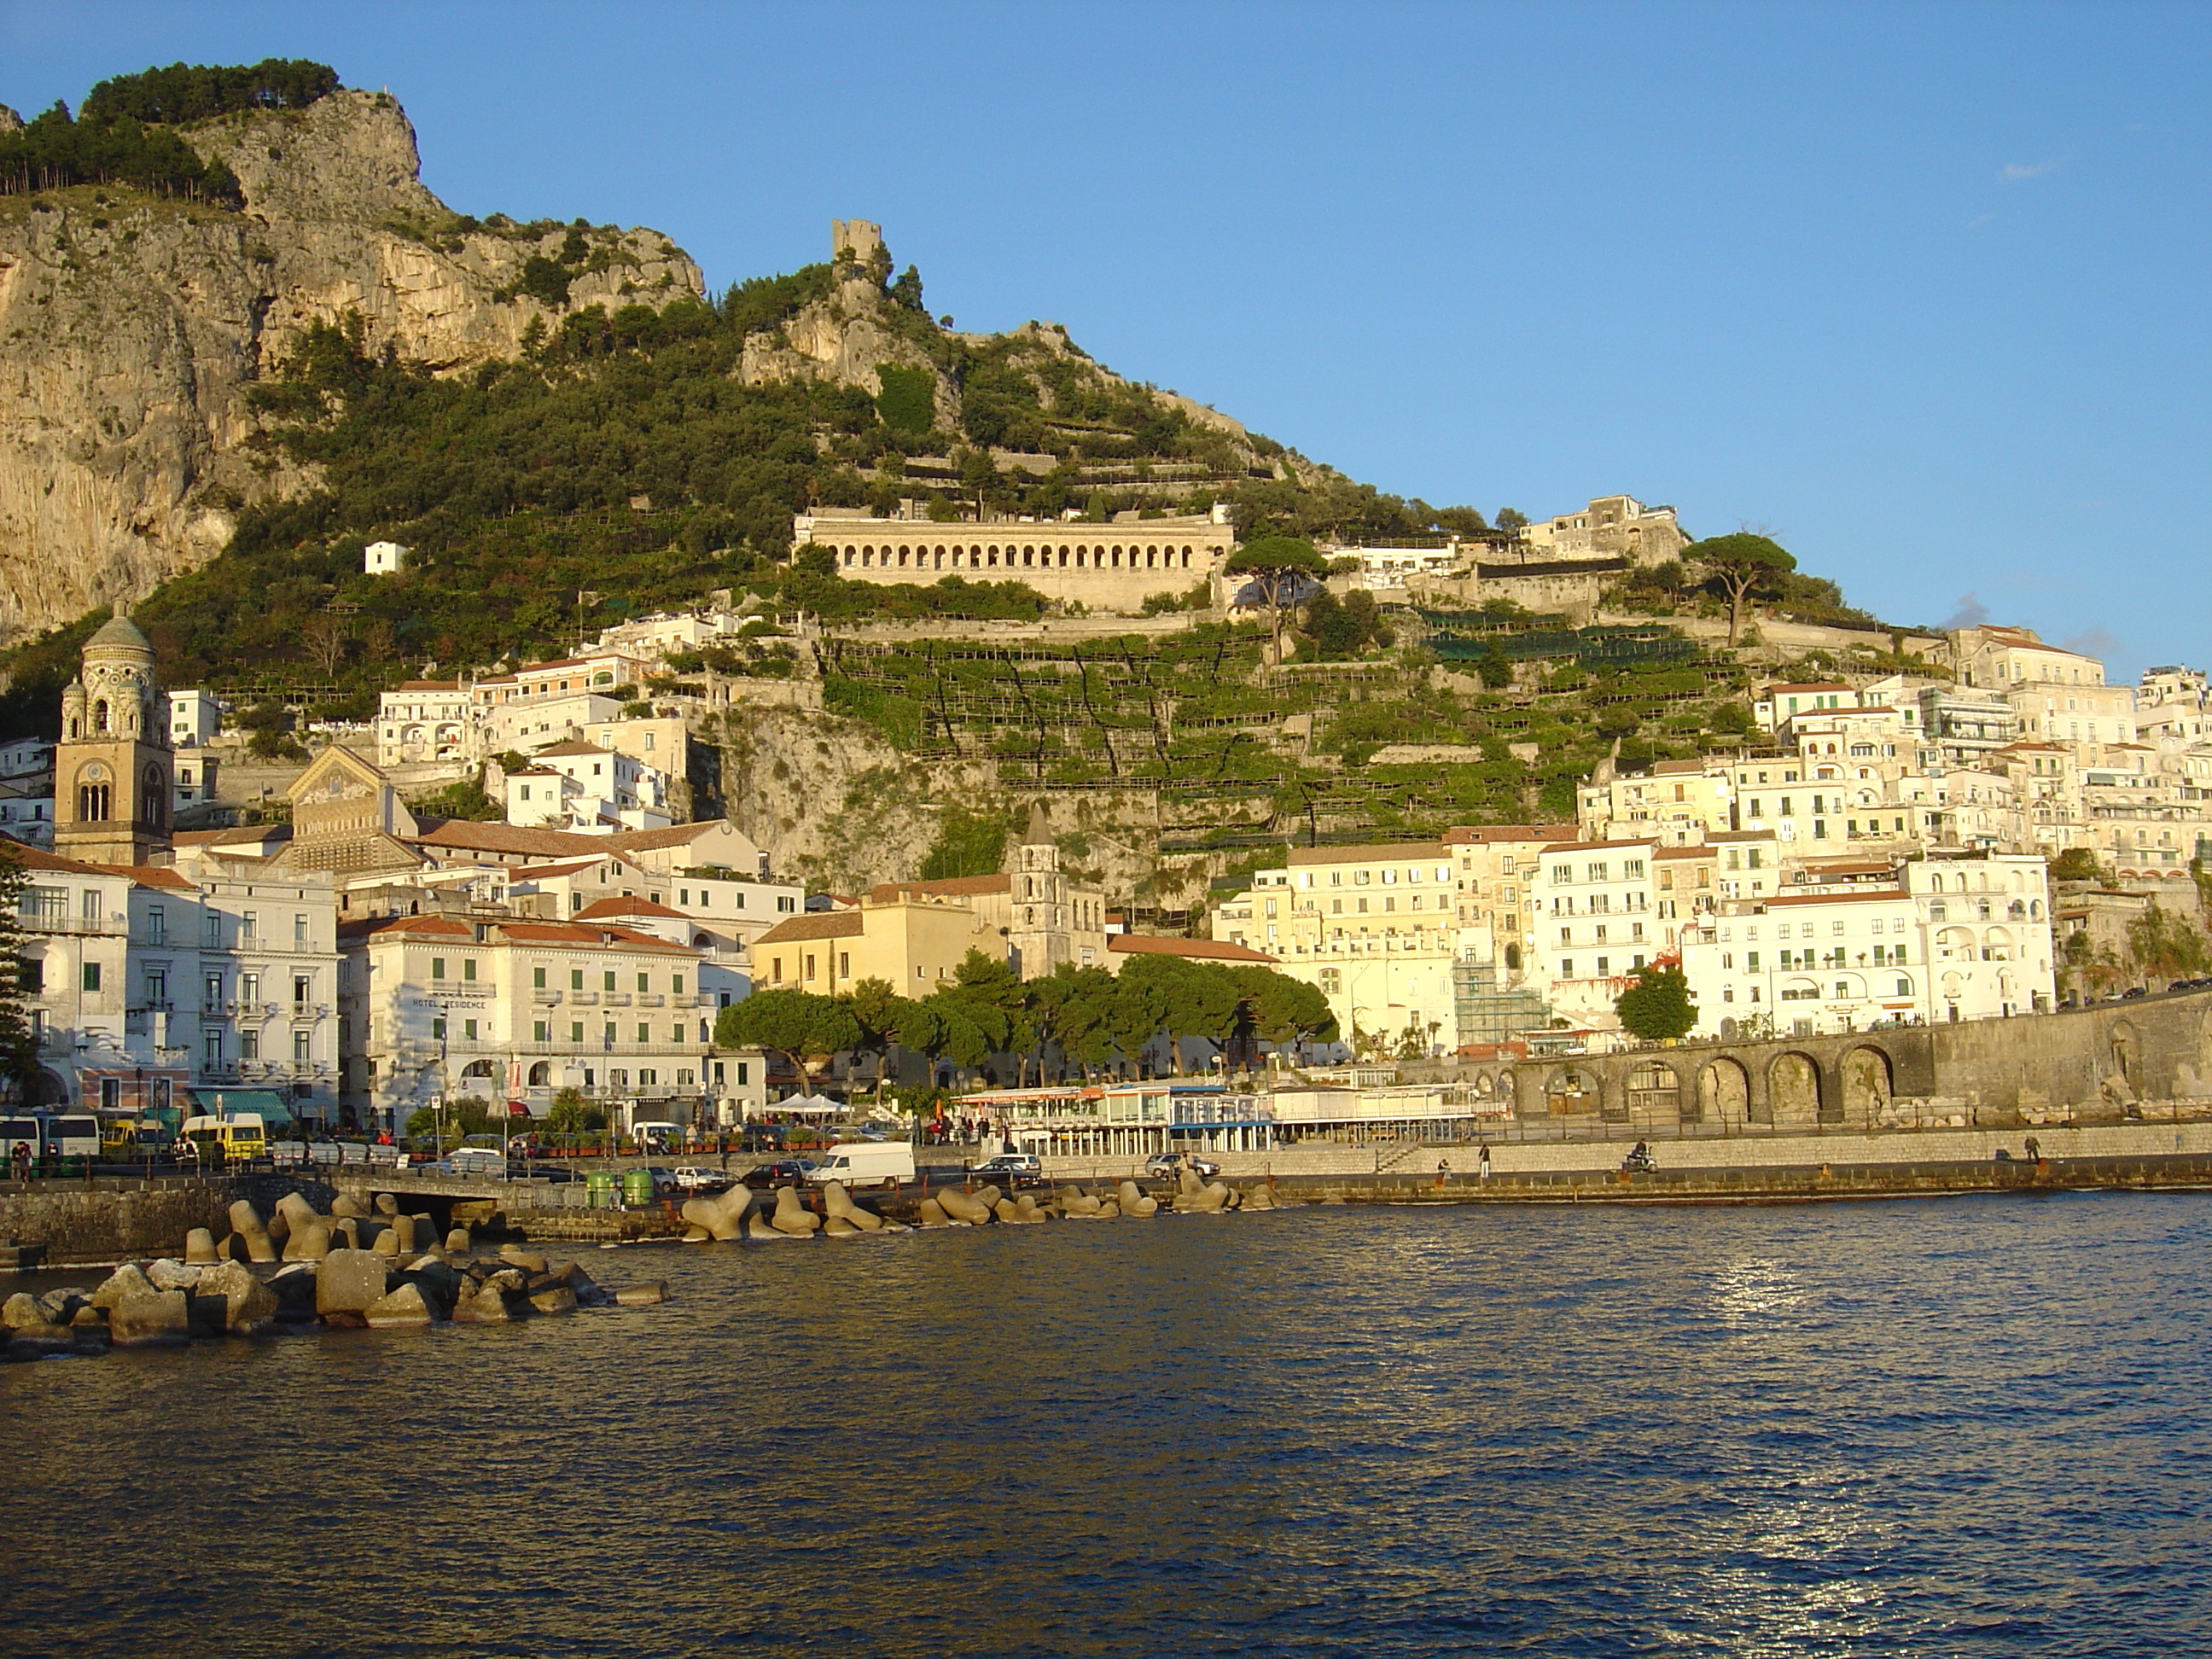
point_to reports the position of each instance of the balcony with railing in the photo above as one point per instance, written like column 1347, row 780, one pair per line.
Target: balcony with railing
column 46, row 919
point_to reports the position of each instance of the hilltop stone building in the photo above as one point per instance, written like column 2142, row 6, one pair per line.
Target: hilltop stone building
column 1107, row 567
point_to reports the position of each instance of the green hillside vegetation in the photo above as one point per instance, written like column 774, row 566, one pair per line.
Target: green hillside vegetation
column 623, row 460
column 122, row 134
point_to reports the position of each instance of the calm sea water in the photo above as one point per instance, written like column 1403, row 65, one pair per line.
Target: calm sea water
column 1973, row 1427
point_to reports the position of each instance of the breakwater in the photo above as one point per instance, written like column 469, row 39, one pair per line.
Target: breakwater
column 298, row 1269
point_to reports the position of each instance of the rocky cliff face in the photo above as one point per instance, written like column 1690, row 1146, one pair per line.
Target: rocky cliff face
column 130, row 327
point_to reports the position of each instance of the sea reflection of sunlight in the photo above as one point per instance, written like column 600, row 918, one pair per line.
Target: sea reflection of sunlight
column 1751, row 1290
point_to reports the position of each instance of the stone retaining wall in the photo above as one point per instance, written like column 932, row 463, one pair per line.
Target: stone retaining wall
column 114, row 1220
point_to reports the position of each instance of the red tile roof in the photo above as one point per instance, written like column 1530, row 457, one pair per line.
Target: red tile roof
column 1477, row 834
column 947, row 887
column 824, row 924
column 626, row 906
column 1201, row 950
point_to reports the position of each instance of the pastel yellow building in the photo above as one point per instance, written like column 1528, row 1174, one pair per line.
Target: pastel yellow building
column 912, row 943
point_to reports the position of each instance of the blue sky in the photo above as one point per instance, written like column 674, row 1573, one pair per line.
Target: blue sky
column 1921, row 290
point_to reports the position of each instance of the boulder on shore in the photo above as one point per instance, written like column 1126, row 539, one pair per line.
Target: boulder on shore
column 249, row 1305
column 407, row 1305
column 149, row 1318
column 557, row 1299
column 121, row 1283
column 642, row 1295
column 166, row 1274
column 21, row 1310
column 348, row 1283
column 488, row 1305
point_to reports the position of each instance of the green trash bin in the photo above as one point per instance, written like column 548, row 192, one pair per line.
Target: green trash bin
column 599, row 1189
column 637, row 1186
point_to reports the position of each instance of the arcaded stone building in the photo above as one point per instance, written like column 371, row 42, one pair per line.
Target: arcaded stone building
column 1107, row 567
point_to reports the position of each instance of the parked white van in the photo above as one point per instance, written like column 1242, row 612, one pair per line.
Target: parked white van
column 864, row 1164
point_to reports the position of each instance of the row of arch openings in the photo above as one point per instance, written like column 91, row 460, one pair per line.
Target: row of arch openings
column 991, row 556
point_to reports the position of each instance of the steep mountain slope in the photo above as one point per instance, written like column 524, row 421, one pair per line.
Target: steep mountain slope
column 133, row 325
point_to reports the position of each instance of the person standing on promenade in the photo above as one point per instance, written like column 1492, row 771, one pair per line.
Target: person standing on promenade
column 1482, row 1162
column 22, row 1160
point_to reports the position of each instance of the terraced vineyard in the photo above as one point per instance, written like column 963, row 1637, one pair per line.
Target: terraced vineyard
column 1240, row 753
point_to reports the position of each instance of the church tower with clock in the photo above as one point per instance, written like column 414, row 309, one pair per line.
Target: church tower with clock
column 114, row 765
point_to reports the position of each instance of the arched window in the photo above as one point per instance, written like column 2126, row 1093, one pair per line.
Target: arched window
column 99, row 715
column 152, row 808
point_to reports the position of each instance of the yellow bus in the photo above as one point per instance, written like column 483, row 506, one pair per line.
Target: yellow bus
column 238, row 1136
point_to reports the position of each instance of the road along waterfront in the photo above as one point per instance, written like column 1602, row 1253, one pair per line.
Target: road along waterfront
column 1922, row 1427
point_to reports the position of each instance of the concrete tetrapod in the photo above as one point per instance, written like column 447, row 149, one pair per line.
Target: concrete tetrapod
column 199, row 1248
column 962, row 1208
column 1074, row 1201
column 1260, row 1197
column 1136, row 1202
column 246, row 1223
column 756, row 1227
column 722, row 1215
column 839, row 1207
column 1194, row 1197
column 296, row 1212
column 791, row 1218
column 930, row 1214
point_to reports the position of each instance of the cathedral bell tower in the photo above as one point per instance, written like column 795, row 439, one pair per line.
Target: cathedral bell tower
column 114, row 765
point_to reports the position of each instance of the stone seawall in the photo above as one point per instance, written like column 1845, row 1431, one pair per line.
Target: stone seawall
column 1750, row 1151
column 115, row 1220
column 1822, row 1182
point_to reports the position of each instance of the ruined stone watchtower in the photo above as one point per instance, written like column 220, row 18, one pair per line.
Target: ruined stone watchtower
column 857, row 240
